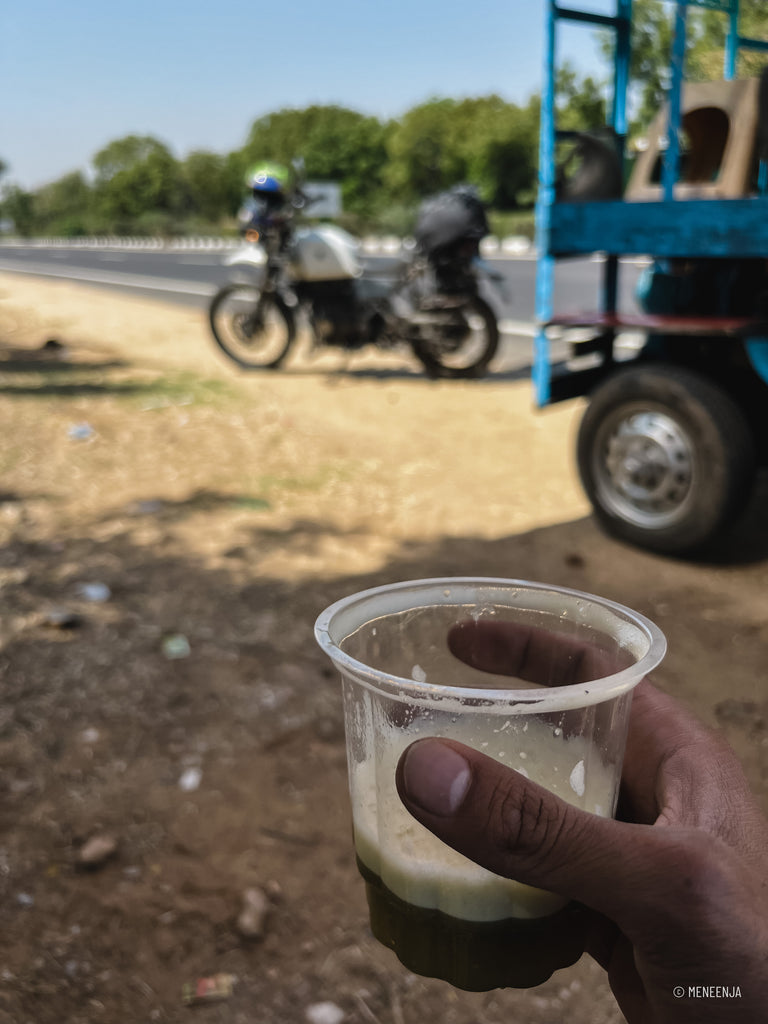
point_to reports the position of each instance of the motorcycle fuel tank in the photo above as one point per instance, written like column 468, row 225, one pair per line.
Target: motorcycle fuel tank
column 324, row 253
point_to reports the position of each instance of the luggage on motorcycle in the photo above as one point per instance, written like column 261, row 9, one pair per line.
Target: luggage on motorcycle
column 450, row 217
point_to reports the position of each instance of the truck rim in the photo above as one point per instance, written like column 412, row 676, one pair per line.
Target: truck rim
column 645, row 467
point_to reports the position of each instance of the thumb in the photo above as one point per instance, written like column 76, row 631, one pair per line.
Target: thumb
column 518, row 829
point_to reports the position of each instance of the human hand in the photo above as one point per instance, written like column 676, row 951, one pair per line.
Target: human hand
column 678, row 889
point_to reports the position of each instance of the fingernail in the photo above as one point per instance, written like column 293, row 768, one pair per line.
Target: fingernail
column 435, row 777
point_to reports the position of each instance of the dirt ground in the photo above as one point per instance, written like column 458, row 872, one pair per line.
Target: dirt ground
column 179, row 712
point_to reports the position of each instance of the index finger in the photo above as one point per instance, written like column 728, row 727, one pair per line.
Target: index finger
column 536, row 655
column 532, row 653
column 674, row 765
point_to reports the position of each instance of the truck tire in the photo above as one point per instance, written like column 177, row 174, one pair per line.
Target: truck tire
column 666, row 458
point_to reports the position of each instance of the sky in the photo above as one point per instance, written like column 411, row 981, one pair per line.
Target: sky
column 75, row 76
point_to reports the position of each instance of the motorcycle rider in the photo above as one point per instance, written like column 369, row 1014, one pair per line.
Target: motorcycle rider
column 267, row 211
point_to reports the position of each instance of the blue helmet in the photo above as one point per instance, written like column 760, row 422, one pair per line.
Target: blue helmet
column 268, row 179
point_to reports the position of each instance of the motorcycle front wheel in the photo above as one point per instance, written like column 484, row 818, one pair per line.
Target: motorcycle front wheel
column 254, row 330
column 458, row 342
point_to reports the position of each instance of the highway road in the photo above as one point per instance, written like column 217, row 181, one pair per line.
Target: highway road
column 191, row 278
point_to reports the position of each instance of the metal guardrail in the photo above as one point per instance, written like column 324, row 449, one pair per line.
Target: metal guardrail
column 514, row 245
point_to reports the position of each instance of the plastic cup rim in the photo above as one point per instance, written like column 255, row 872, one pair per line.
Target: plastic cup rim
column 529, row 700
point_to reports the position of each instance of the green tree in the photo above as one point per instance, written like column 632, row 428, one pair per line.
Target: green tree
column 580, row 101
column 139, row 186
column 205, row 179
column 485, row 141
column 336, row 144
column 63, row 207
column 652, row 35
column 706, row 54
column 652, row 32
column 19, row 206
column 424, row 150
column 498, row 144
column 235, row 166
column 125, row 154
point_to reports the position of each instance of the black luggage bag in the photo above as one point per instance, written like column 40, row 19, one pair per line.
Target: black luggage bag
column 451, row 217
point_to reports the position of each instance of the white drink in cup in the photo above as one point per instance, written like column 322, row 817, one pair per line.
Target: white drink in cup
column 562, row 723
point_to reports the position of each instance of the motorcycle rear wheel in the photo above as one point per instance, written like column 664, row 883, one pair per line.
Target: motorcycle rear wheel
column 465, row 346
column 254, row 330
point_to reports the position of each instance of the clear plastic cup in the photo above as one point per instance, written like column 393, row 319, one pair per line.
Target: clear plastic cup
column 538, row 677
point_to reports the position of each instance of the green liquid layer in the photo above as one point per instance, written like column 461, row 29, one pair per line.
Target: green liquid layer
column 474, row 955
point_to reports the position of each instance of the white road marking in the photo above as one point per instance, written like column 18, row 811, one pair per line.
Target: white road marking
column 103, row 277
column 520, row 328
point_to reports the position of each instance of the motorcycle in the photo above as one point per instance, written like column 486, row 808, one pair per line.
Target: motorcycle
column 285, row 275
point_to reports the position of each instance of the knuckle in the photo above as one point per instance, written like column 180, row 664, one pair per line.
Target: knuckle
column 526, row 823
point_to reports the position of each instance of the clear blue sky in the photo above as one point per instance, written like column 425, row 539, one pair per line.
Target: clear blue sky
column 75, row 75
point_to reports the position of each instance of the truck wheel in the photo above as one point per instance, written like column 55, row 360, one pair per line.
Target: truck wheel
column 666, row 457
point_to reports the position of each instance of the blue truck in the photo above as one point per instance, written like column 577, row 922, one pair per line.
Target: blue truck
column 672, row 438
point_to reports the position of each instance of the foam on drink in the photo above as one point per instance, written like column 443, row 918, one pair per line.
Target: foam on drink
column 417, row 867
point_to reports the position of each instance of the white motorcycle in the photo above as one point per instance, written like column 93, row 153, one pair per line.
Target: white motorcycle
column 284, row 275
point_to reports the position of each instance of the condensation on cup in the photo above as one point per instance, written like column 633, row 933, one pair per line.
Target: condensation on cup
column 562, row 722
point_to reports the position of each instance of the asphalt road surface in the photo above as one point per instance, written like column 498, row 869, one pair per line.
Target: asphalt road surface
column 191, row 278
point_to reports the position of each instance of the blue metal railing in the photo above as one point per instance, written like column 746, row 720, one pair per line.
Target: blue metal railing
column 620, row 24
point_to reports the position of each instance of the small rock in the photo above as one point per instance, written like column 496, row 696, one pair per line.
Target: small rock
column 96, row 850
column 62, row 618
column 95, row 592
column 176, row 646
column 52, row 350
column 252, row 918
column 25, row 899
column 149, row 507
column 274, row 890
column 190, row 779
column 743, row 713
column 324, row 1013
column 81, row 432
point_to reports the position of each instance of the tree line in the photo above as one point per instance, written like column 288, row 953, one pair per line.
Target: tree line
column 136, row 185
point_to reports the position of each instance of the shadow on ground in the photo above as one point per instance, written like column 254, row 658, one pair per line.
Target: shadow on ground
column 101, row 719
